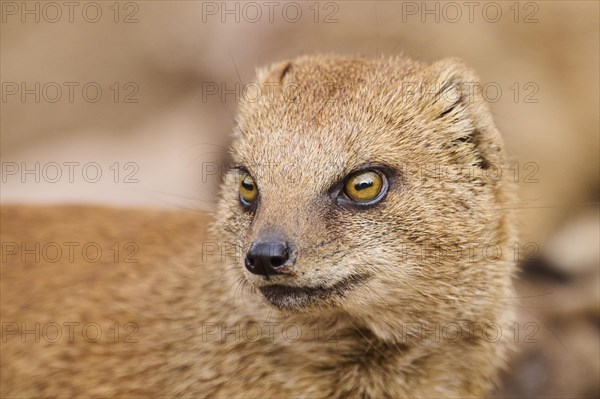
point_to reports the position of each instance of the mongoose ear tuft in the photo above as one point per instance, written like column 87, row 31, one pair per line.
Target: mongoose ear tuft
column 450, row 96
column 270, row 80
column 453, row 84
column 268, row 84
column 275, row 73
column 463, row 115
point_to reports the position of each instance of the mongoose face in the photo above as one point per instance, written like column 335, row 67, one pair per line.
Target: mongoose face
column 345, row 195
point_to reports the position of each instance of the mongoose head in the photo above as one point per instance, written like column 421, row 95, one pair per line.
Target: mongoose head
column 371, row 188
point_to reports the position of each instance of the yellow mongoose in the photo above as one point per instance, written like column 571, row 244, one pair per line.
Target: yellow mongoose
column 342, row 263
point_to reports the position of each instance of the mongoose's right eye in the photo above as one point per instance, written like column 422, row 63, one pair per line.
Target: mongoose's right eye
column 248, row 190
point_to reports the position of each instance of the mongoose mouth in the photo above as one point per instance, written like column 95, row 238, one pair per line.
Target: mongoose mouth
column 287, row 297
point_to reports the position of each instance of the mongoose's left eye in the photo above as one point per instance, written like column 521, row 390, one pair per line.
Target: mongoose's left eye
column 248, row 190
column 365, row 187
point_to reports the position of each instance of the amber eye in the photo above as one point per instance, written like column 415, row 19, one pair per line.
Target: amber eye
column 248, row 190
column 365, row 187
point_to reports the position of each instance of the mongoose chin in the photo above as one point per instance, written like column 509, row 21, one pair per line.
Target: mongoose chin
column 340, row 261
column 290, row 297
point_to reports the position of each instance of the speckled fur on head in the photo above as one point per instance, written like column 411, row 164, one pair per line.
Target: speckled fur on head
column 317, row 119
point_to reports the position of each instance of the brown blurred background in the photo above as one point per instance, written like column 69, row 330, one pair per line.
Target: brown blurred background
column 144, row 93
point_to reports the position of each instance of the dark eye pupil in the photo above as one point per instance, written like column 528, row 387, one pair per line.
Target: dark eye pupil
column 363, row 185
column 248, row 186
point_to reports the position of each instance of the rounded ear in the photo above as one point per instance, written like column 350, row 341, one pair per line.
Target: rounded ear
column 269, row 82
column 455, row 102
column 452, row 79
column 274, row 73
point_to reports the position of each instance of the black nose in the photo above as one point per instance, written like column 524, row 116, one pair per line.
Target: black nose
column 268, row 258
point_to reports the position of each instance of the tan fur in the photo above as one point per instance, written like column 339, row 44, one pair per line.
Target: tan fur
column 314, row 120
